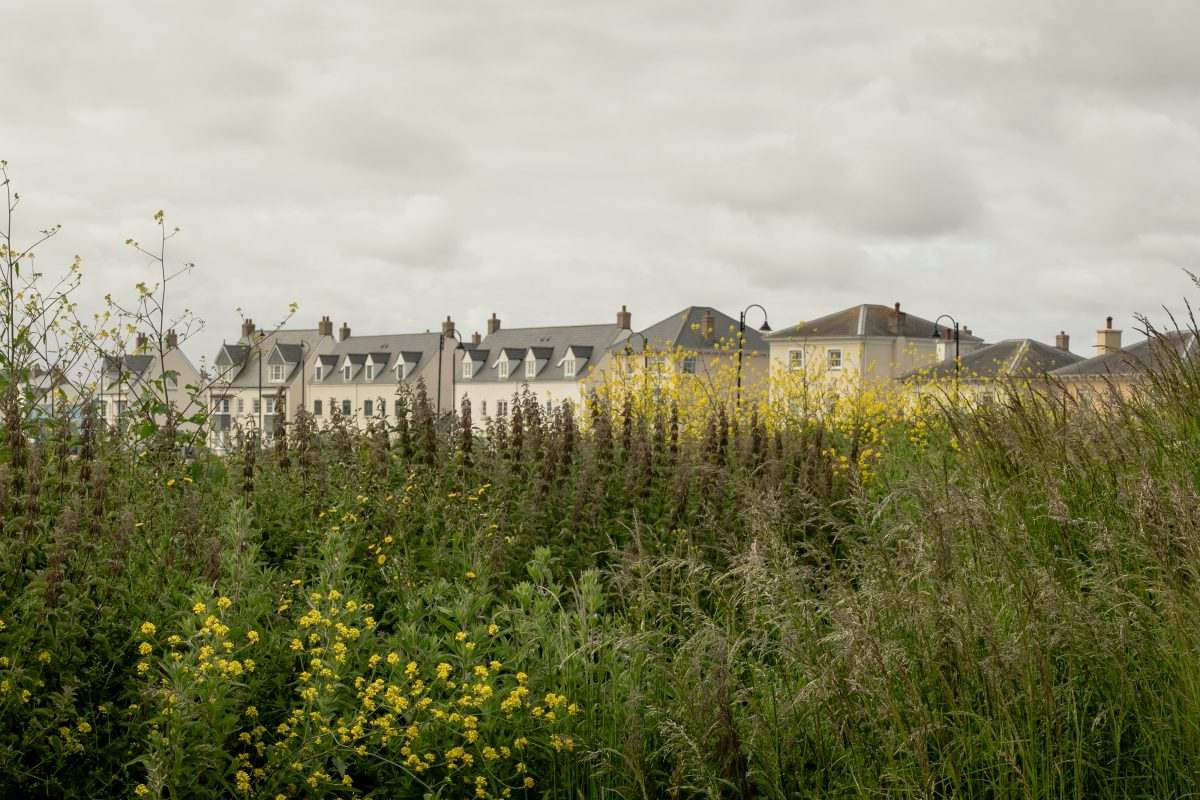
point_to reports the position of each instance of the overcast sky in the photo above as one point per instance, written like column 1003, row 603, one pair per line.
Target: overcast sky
column 1025, row 166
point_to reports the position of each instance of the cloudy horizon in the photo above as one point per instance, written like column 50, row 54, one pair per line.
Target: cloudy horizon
column 1025, row 167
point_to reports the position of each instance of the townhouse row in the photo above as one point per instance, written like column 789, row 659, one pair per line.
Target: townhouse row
column 266, row 374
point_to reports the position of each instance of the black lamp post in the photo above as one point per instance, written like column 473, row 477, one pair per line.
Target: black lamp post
column 766, row 328
column 441, row 347
column 937, row 335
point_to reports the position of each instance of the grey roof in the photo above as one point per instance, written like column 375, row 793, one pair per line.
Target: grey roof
column 288, row 352
column 1136, row 359
column 415, row 349
column 252, row 349
column 552, row 340
column 1014, row 358
column 134, row 364
column 475, row 353
column 865, row 320
column 685, row 330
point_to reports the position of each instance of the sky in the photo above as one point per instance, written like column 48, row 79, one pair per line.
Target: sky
column 1026, row 167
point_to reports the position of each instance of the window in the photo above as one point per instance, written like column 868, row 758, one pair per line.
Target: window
column 221, row 405
column 689, row 365
column 317, row 372
column 256, row 406
column 345, row 408
column 795, row 359
column 241, row 406
column 502, row 368
column 316, row 408
column 656, row 363
column 483, row 408
column 276, row 373
column 531, row 369
column 368, row 408
column 833, row 358
column 100, row 407
column 346, row 372
column 501, row 408
column 370, row 372
column 401, row 371
column 467, row 365
column 120, row 404
column 270, row 405
column 569, row 367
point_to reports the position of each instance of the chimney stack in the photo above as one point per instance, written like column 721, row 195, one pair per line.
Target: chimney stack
column 493, row 324
column 344, row 333
column 1062, row 341
column 476, row 339
column 247, row 328
column 172, row 339
column 964, row 331
column 325, row 327
column 1108, row 339
column 140, row 342
column 899, row 321
column 35, row 372
column 448, row 327
column 707, row 325
column 624, row 319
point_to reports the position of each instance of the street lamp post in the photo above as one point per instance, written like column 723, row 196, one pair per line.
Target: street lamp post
column 937, row 335
column 441, row 347
column 766, row 328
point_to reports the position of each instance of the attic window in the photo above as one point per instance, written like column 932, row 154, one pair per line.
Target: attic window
column 467, row 368
column 370, row 373
column 569, row 367
column 401, row 371
column 531, row 369
column 276, row 373
column 317, row 372
column 346, row 372
column 502, row 368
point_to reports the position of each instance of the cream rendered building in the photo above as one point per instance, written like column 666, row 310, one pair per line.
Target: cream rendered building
column 153, row 370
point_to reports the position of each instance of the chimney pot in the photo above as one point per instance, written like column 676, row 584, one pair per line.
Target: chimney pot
column 247, row 328
column 325, row 327
column 1108, row 338
column 493, row 324
column 344, row 333
column 172, row 339
column 624, row 319
column 476, row 339
column 140, row 342
column 1108, row 323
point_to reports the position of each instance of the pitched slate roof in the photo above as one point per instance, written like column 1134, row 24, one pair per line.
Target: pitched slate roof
column 416, row 349
column 862, row 321
column 248, row 351
column 685, row 330
column 1137, row 358
column 1016, row 358
column 553, row 341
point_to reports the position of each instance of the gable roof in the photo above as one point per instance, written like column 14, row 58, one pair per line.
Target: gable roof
column 685, row 330
column 553, row 342
column 414, row 349
column 248, row 351
column 1015, row 358
column 865, row 320
column 1138, row 358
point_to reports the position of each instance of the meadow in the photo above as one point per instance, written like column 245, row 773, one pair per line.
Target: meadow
column 638, row 597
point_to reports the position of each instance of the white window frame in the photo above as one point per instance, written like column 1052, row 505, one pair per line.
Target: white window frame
column 502, row 368
column 275, row 373
column 269, row 405
column 255, row 406
column 241, row 406
column 569, row 367
column 468, row 367
column 346, row 370
column 688, row 365
column 531, row 369
column 501, row 408
column 370, row 372
column 401, row 371
column 795, row 359
column 833, row 358
column 317, row 372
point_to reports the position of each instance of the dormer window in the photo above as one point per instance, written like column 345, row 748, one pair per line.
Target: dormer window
column 317, row 372
column 346, row 372
column 401, row 371
column 276, row 373
column 569, row 367
column 468, row 368
column 502, row 367
column 370, row 372
column 530, row 369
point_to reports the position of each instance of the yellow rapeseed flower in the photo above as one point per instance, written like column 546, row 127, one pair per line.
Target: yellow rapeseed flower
column 148, row 628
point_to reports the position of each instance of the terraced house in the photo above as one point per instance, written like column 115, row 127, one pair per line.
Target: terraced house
column 359, row 377
column 1126, row 369
column 261, row 375
column 164, row 372
column 554, row 363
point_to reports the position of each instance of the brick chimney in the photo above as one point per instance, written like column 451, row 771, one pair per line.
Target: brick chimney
column 708, row 325
column 140, row 342
column 624, row 319
column 899, row 321
column 1062, row 341
column 493, row 324
column 1108, row 339
column 172, row 339
column 476, row 339
column 247, row 328
column 325, row 327
column 448, row 327
column 344, row 333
